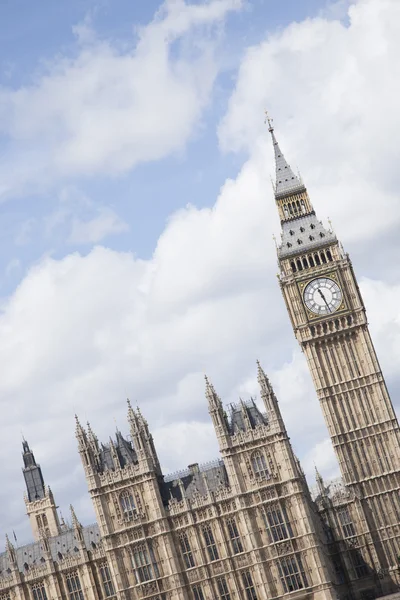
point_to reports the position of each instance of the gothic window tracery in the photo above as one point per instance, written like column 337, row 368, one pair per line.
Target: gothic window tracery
column 210, row 542
column 39, row 591
column 105, row 575
column 259, row 465
column 223, row 589
column 74, row 586
column 277, row 523
column 346, row 523
column 234, row 536
column 186, row 550
column 127, row 504
column 197, row 592
column 144, row 563
column 248, row 586
column 292, row 573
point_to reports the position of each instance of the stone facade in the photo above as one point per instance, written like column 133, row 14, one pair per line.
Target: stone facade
column 246, row 526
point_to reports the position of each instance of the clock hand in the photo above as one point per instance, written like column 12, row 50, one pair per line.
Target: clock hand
column 324, row 299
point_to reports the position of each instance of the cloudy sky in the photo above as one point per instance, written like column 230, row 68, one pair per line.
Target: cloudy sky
column 137, row 214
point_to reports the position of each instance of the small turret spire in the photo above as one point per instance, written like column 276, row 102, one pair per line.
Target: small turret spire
column 269, row 398
column 214, row 401
column 75, row 521
column 32, row 474
column 320, row 481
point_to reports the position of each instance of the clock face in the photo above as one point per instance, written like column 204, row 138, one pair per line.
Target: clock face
column 322, row 296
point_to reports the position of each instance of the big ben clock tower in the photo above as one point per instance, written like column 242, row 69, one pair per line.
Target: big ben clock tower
column 329, row 320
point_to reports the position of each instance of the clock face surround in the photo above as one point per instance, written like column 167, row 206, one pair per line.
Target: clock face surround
column 322, row 296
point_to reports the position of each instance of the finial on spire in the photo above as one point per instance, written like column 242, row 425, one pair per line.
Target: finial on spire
column 268, row 120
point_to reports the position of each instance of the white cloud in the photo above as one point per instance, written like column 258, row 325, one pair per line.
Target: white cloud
column 332, row 89
column 106, row 223
column 107, row 109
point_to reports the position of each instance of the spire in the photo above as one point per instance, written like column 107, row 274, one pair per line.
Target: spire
column 216, row 410
column 269, row 398
column 32, row 474
column 320, row 482
column 214, row 401
column 75, row 521
column 10, row 551
column 80, row 433
column 287, row 183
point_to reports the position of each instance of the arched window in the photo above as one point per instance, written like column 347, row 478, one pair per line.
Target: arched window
column 259, row 465
column 127, row 505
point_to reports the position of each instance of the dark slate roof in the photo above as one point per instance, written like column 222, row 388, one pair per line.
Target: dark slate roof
column 125, row 452
column 303, row 234
column 60, row 546
column 193, row 480
column 239, row 412
column 287, row 182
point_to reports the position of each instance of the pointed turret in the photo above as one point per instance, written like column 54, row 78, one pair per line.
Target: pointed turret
column 214, row 401
column 39, row 500
column 269, row 398
column 92, row 438
column 320, row 482
column 143, row 440
column 74, row 519
column 217, row 413
column 10, row 550
column 80, row 433
column 286, row 182
column 77, row 527
column 32, row 475
column 301, row 230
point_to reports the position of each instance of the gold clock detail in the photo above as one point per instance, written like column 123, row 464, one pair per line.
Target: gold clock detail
column 322, row 296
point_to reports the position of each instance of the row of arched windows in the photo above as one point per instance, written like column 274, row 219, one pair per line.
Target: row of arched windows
column 311, row 260
column 293, row 209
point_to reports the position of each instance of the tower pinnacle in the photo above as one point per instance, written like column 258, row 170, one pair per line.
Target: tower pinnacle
column 286, row 182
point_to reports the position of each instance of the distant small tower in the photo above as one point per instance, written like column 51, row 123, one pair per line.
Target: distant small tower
column 39, row 500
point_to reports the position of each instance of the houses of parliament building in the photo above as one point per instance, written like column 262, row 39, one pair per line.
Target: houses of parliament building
column 245, row 527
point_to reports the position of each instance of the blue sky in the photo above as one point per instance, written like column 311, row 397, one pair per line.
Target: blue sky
column 137, row 214
column 32, row 35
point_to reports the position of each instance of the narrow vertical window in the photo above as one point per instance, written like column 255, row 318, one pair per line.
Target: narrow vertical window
column 106, row 580
column 259, row 465
column 346, row 523
column 197, row 592
column 127, row 505
column 223, row 590
column 236, row 542
column 359, row 565
column 248, row 586
column 210, row 542
column 292, row 573
column 74, row 586
column 186, row 550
